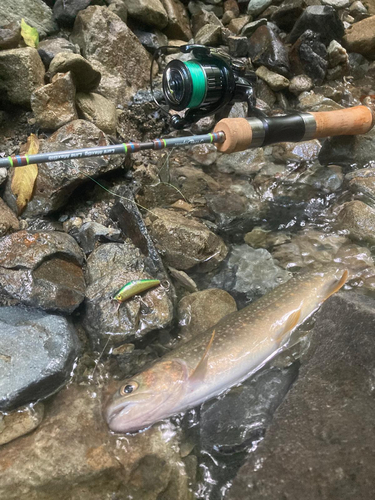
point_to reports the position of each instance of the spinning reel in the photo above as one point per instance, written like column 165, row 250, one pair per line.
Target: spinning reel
column 203, row 85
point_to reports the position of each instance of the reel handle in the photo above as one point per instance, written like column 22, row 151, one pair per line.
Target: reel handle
column 245, row 133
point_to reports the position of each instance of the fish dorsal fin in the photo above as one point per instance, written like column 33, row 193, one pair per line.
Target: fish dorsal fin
column 200, row 370
column 336, row 287
column 291, row 323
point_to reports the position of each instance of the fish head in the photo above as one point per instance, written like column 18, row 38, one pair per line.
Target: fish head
column 147, row 397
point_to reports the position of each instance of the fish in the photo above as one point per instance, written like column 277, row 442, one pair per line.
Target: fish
column 223, row 356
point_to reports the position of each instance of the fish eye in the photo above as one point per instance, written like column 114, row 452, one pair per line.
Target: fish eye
column 128, row 388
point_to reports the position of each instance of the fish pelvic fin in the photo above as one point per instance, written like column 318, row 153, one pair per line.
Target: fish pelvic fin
column 291, row 323
column 200, row 370
column 336, row 287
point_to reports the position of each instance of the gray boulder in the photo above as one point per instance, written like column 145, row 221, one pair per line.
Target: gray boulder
column 35, row 12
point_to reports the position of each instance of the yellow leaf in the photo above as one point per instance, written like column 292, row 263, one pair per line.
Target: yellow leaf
column 24, row 177
column 29, row 34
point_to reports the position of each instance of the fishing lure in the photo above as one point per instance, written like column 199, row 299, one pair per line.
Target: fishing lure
column 132, row 288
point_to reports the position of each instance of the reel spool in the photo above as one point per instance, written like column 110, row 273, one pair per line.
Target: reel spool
column 203, row 85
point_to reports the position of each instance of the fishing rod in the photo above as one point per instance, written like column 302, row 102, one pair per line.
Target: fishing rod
column 231, row 135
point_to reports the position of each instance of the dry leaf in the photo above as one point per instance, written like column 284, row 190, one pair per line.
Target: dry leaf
column 24, row 177
column 29, row 34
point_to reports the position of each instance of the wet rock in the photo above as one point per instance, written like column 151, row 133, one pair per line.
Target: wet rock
column 336, row 54
column 320, row 19
column 359, row 220
column 98, row 110
column 256, row 7
column 89, row 233
column 242, row 163
column 185, row 242
column 183, row 279
column 358, row 65
column 247, row 274
column 275, row 81
column 309, row 101
column 49, row 48
column 8, row 221
column 358, row 10
column 204, row 154
column 236, row 25
column 237, row 46
column 20, row 422
column 86, row 78
column 151, row 40
column 42, row 270
column 360, row 38
column 266, row 48
column 73, row 448
column 56, row 181
column 308, row 248
column 200, row 311
column 10, row 35
column 233, row 422
column 362, row 183
column 249, row 28
column 209, row 35
column 290, row 151
column 309, row 55
column 148, row 12
column 178, row 20
column 66, row 11
column 325, row 179
column 348, row 150
column 49, row 341
column 35, row 12
column 21, row 72
column 328, row 412
column 113, row 49
column 287, row 14
column 54, row 104
column 300, row 83
column 109, row 268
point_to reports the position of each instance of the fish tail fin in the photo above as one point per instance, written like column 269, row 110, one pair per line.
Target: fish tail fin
column 336, row 287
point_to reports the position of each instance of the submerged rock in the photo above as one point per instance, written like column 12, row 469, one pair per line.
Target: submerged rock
column 349, row 150
column 21, row 72
column 72, row 448
column 20, row 422
column 37, row 355
column 42, row 269
column 247, row 274
column 231, row 423
column 54, row 104
column 113, row 49
column 200, row 311
column 359, row 220
column 324, row 430
column 185, row 242
column 109, row 268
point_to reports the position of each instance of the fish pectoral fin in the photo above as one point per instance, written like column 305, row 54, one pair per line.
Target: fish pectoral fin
column 291, row 323
column 336, row 287
column 200, row 370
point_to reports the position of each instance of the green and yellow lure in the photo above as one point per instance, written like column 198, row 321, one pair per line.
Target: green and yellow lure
column 133, row 288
